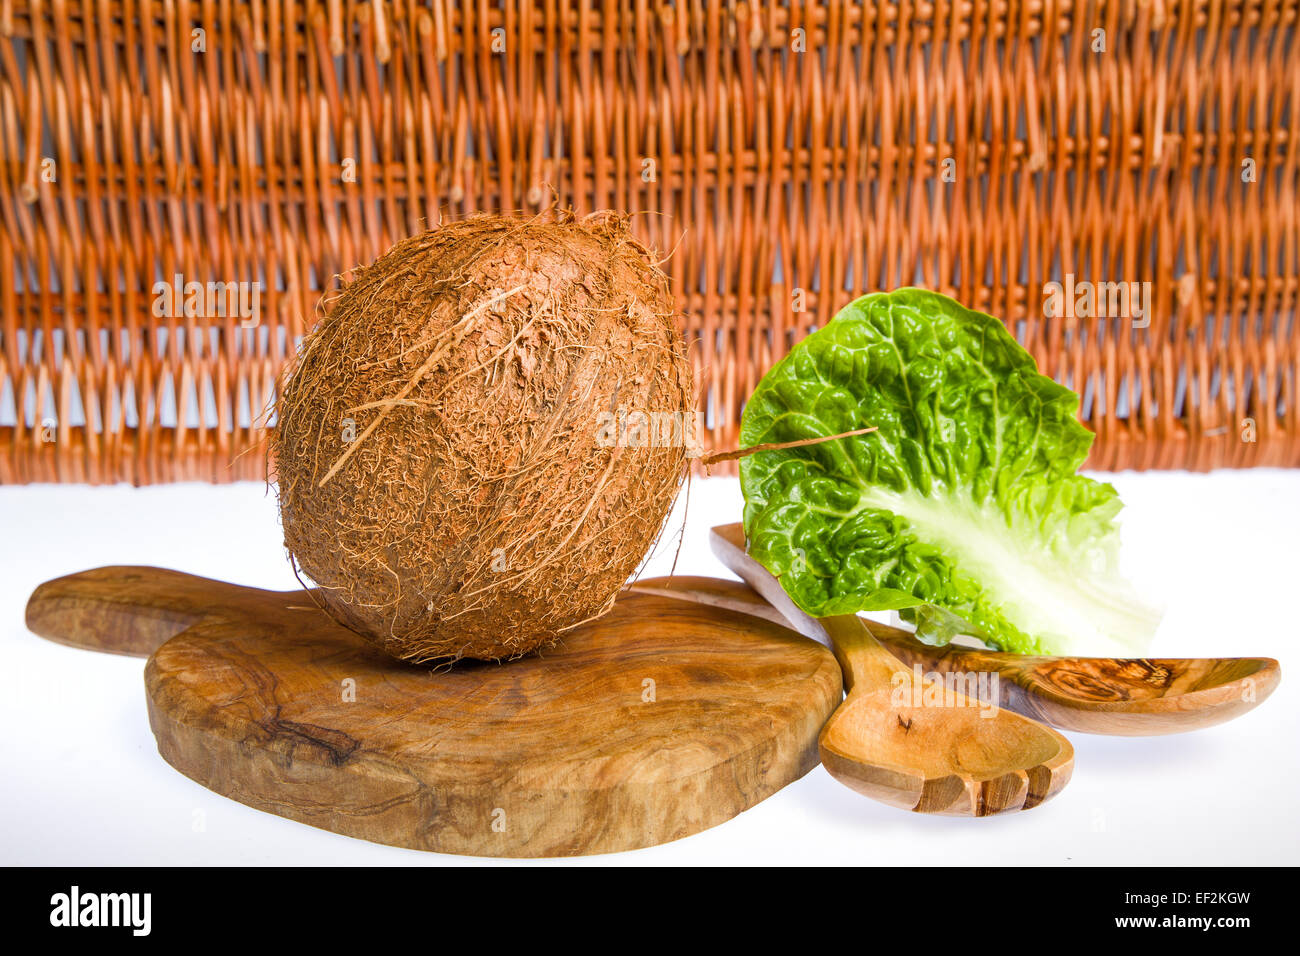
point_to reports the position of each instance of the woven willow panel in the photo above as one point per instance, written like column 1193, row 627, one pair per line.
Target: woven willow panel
column 784, row 159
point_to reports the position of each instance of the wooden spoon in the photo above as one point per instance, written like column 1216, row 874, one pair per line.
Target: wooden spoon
column 927, row 747
column 1098, row 695
column 922, row 746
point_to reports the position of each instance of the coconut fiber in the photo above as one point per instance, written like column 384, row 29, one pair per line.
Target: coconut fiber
column 462, row 454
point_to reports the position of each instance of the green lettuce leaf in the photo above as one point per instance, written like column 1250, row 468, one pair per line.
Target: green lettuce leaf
column 964, row 510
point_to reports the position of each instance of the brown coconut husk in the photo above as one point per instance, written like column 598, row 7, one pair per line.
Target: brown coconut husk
column 477, row 512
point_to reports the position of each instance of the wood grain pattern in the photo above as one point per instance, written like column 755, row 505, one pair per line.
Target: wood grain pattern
column 1128, row 697
column 551, row 755
column 960, row 757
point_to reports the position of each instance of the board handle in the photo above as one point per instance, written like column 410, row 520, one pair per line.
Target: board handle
column 127, row 610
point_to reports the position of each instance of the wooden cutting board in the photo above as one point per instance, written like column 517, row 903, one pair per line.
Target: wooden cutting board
column 656, row 721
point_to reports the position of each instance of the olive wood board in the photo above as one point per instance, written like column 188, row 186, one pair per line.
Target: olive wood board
column 658, row 720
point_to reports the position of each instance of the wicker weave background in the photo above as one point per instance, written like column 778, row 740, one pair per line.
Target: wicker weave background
column 783, row 154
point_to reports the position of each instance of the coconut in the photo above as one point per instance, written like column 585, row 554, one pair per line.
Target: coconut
column 480, row 442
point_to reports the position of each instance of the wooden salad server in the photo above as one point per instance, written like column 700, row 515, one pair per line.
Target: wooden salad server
column 1123, row 697
column 927, row 747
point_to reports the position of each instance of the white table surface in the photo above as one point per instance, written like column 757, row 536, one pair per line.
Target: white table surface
column 83, row 784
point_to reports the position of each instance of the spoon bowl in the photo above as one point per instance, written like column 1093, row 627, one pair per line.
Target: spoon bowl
column 927, row 747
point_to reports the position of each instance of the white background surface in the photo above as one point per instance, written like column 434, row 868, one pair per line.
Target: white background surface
column 83, row 784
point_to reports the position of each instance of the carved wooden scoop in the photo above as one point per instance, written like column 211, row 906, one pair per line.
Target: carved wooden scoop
column 919, row 744
column 1126, row 697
